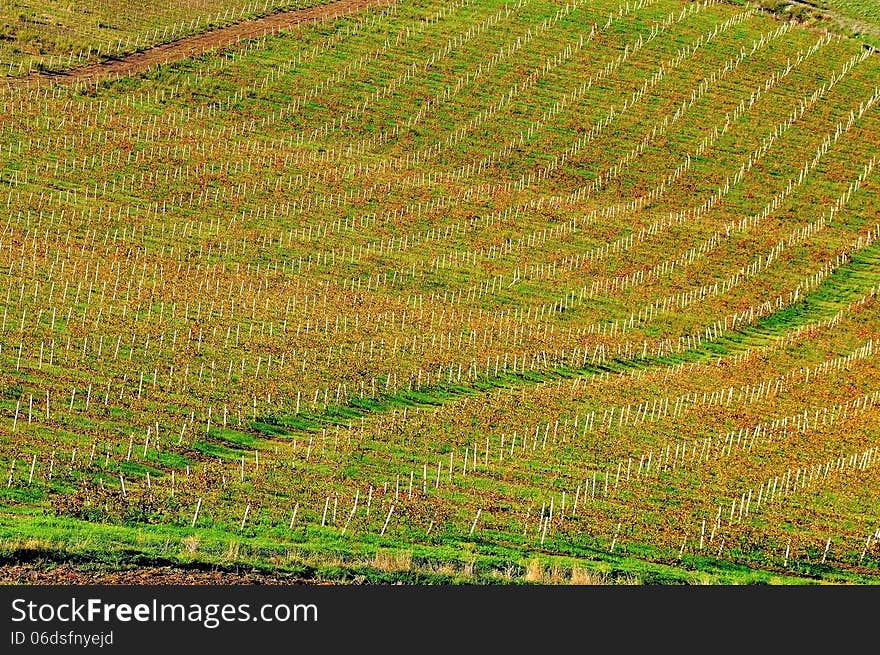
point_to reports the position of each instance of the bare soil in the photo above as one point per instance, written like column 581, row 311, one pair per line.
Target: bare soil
column 76, row 574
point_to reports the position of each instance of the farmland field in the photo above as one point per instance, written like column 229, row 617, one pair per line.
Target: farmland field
column 55, row 36
column 445, row 291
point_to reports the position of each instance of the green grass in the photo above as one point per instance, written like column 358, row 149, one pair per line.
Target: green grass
column 304, row 555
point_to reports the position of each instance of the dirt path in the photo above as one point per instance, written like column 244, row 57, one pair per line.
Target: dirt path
column 71, row 574
column 197, row 44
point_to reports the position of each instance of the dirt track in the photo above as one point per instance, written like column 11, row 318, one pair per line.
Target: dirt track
column 197, row 44
column 70, row 574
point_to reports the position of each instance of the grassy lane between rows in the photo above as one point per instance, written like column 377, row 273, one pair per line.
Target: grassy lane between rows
column 847, row 283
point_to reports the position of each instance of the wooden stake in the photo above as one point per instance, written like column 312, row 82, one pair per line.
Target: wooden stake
column 614, row 540
column 326, row 507
column 474, row 524
column 387, row 518
column 247, row 511
column 353, row 510
column 196, row 514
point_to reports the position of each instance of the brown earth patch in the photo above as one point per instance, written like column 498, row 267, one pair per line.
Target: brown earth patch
column 76, row 574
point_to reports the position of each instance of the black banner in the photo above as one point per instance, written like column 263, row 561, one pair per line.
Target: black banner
column 233, row 619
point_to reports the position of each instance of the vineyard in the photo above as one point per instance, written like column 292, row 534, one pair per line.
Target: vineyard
column 57, row 36
column 443, row 291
